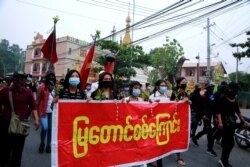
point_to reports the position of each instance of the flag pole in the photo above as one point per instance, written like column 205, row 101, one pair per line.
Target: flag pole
column 51, row 66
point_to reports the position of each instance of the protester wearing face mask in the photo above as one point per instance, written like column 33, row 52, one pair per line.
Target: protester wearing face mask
column 227, row 110
column 45, row 102
column 72, row 86
column 11, row 146
column 106, row 89
column 134, row 92
column 159, row 92
column 159, row 95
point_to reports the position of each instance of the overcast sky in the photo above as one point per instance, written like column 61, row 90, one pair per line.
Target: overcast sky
column 22, row 19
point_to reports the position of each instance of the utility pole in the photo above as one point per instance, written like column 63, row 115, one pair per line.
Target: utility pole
column 237, row 67
column 113, row 33
column 208, row 50
column 198, row 68
column 208, row 73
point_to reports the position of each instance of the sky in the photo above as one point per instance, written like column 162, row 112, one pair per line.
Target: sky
column 22, row 19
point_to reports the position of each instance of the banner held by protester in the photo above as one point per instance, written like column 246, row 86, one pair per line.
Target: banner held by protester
column 110, row 133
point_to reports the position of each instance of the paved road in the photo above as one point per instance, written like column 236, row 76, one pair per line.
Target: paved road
column 194, row 157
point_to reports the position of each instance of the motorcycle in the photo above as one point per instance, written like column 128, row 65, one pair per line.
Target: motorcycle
column 242, row 135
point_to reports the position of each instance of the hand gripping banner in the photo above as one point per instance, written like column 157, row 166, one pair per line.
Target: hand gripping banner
column 109, row 133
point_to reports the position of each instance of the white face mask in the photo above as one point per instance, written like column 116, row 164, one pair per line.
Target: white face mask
column 74, row 81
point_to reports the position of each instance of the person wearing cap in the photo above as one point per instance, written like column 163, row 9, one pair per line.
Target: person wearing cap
column 195, row 98
column 45, row 101
column 217, row 96
column 24, row 104
column 227, row 112
column 207, row 111
column 134, row 92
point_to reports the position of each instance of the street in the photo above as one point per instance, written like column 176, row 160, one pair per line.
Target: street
column 194, row 157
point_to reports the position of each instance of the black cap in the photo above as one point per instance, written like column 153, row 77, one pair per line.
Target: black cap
column 210, row 84
column 19, row 74
column 133, row 83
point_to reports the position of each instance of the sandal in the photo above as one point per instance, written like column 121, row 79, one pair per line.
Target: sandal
column 181, row 162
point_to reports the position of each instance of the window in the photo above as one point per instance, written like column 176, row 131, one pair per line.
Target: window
column 190, row 72
column 203, row 71
column 44, row 66
column 37, row 52
column 36, row 67
column 69, row 51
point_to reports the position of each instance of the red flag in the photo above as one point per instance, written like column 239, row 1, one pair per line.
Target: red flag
column 87, row 66
column 111, row 65
column 49, row 48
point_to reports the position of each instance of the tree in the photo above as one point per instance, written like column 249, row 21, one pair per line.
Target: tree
column 168, row 59
column 129, row 57
column 244, row 80
column 245, row 45
column 11, row 57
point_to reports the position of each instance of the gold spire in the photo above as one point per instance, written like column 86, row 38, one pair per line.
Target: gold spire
column 127, row 39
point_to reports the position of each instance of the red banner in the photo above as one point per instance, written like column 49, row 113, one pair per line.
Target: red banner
column 99, row 134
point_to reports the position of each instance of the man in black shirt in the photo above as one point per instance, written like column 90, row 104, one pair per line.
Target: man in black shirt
column 227, row 109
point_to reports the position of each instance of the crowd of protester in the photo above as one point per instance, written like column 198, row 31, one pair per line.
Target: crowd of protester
column 211, row 108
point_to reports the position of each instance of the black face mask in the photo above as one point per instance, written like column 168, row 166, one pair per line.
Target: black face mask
column 231, row 94
column 106, row 84
column 183, row 86
column 51, row 85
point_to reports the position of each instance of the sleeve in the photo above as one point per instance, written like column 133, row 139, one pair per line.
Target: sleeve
column 237, row 108
column 32, row 102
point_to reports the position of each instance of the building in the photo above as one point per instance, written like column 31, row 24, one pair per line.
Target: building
column 71, row 53
column 192, row 73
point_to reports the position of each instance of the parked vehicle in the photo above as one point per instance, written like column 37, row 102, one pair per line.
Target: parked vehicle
column 242, row 135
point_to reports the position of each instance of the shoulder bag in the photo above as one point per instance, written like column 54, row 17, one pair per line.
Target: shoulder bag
column 17, row 126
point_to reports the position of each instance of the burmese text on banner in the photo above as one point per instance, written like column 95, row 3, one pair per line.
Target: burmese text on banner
column 101, row 134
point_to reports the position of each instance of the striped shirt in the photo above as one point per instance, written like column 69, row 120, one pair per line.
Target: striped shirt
column 65, row 94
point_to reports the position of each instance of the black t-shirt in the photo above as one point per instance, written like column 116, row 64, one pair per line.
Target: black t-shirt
column 227, row 108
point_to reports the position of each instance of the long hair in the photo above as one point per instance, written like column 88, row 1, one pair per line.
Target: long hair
column 178, row 81
column 66, row 80
column 157, row 84
column 100, row 81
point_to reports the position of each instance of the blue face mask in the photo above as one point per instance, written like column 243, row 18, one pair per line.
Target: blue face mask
column 136, row 92
column 74, row 81
column 163, row 89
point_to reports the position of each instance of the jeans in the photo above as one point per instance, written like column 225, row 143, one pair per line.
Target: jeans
column 46, row 125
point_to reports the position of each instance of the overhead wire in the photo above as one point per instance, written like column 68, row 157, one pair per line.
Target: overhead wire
column 182, row 24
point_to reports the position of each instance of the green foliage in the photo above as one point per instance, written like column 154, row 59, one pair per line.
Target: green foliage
column 128, row 57
column 100, row 95
column 153, row 76
column 243, row 80
column 11, row 57
column 165, row 59
column 245, row 46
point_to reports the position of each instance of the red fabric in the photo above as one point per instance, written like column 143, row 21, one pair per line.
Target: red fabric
column 111, row 65
column 42, row 99
column 100, row 134
column 87, row 66
column 23, row 102
column 49, row 44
